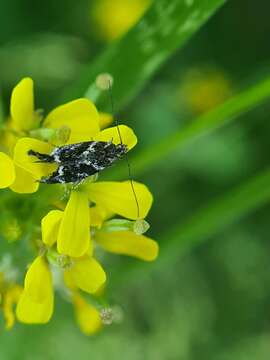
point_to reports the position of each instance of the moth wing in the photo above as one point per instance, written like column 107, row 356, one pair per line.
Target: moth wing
column 69, row 174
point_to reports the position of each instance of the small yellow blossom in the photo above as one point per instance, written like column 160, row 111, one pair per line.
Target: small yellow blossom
column 22, row 110
column 7, row 171
column 74, row 232
column 50, row 226
column 10, row 291
column 87, row 316
column 36, row 303
column 128, row 243
column 202, row 90
column 80, row 116
column 71, row 228
column 72, row 122
column 118, row 197
column 10, row 298
column 115, row 18
column 71, row 234
column 105, row 120
column 11, row 229
column 23, row 118
column 85, row 274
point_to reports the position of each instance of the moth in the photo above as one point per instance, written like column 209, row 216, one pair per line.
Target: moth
column 78, row 161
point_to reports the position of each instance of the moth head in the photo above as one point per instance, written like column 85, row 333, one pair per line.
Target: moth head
column 121, row 149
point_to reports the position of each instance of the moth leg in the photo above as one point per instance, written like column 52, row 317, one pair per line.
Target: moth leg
column 66, row 192
column 42, row 157
column 80, row 181
column 77, row 184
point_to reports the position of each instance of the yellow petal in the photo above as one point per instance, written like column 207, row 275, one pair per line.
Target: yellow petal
column 22, row 105
column 7, row 171
column 105, row 120
column 69, row 281
column 50, row 226
column 25, row 182
column 98, row 215
column 127, row 135
column 36, row 302
column 115, row 18
column 87, row 316
column 11, row 297
column 118, row 197
column 87, row 274
column 128, row 243
column 8, row 138
column 74, row 233
column 29, row 163
column 80, row 116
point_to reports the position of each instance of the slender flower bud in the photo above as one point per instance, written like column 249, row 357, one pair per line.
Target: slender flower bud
column 104, row 81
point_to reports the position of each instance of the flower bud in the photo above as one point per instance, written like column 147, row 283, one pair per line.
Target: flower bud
column 106, row 315
column 104, row 81
column 140, row 226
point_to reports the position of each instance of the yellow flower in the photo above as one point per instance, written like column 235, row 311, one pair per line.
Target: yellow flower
column 70, row 234
column 87, row 316
column 115, row 18
column 83, row 271
column 98, row 215
column 71, row 228
column 23, row 119
column 128, row 243
column 7, row 171
column 74, row 236
column 74, row 231
column 118, row 197
column 22, row 108
column 36, row 303
column 9, row 291
column 105, row 120
column 10, row 298
column 204, row 89
column 72, row 122
column 86, row 274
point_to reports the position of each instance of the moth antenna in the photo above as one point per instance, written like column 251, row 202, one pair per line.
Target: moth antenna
column 126, row 155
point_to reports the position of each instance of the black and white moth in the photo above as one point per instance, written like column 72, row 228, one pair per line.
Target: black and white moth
column 78, row 161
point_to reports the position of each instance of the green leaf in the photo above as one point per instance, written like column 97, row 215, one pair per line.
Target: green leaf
column 219, row 116
column 132, row 60
column 205, row 223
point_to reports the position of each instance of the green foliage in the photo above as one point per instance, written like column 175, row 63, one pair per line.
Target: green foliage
column 230, row 110
column 209, row 220
column 135, row 58
column 197, row 301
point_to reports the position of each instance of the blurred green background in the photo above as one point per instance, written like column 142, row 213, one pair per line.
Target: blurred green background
column 212, row 302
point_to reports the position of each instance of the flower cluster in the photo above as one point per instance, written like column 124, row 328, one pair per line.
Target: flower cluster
column 94, row 215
